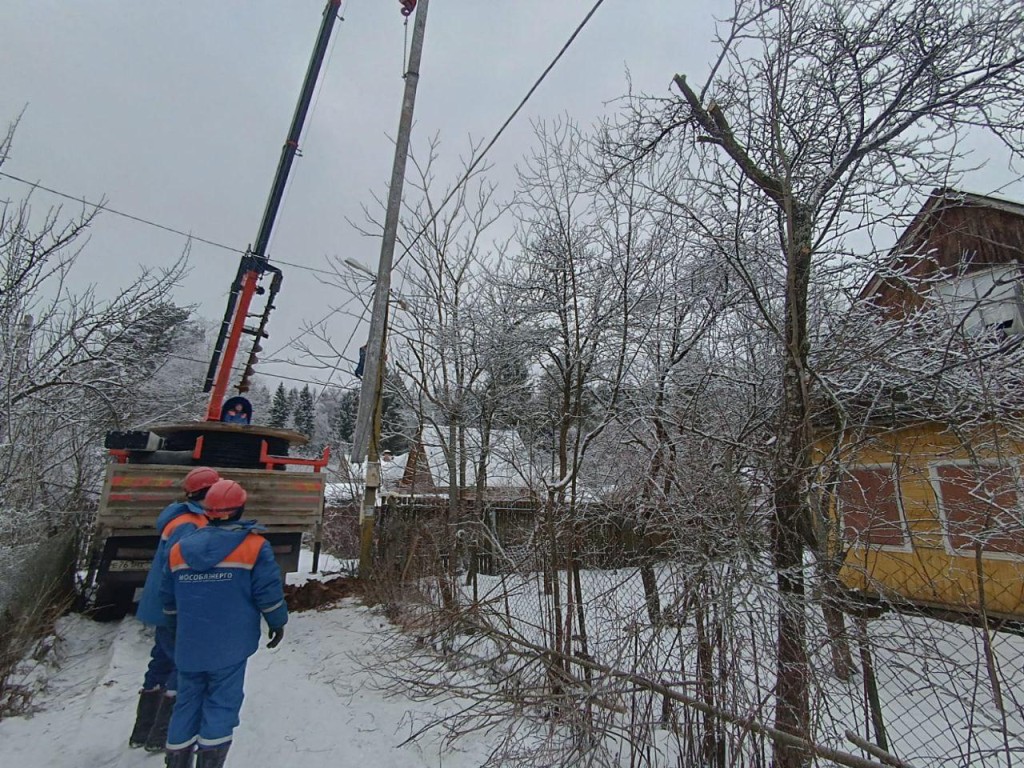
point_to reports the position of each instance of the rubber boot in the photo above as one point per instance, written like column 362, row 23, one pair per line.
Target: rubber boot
column 212, row 757
column 179, row 758
column 157, row 739
column 145, row 716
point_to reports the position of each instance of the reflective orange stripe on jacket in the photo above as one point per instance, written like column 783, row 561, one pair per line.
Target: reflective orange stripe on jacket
column 189, row 517
column 243, row 556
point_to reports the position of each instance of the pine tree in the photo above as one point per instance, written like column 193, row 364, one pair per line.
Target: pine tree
column 394, row 430
column 304, row 413
column 279, row 408
column 292, row 395
column 342, row 418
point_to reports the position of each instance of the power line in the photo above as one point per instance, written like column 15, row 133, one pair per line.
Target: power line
column 501, row 130
column 468, row 173
column 104, row 207
column 148, row 222
column 201, row 396
column 462, row 181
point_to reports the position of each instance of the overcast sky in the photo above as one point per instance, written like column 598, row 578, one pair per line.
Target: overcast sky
column 176, row 112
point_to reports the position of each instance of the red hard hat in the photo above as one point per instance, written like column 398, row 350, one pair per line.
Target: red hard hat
column 200, row 478
column 223, row 499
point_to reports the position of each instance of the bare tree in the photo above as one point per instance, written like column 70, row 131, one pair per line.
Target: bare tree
column 817, row 115
column 71, row 360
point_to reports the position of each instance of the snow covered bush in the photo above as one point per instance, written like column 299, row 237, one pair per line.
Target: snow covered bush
column 76, row 359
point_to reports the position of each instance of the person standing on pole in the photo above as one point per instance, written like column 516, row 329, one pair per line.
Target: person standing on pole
column 219, row 582
column 159, row 686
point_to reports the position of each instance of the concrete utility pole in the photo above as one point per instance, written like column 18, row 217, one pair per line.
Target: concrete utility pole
column 366, row 435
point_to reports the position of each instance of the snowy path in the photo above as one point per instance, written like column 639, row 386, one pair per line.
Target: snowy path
column 308, row 703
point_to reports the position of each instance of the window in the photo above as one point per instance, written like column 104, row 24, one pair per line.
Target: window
column 987, row 301
column 980, row 504
column 870, row 507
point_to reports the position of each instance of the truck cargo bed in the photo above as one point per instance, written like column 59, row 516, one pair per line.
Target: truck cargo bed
column 134, row 494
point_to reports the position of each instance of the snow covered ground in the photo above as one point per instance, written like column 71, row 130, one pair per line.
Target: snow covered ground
column 313, row 702
column 308, row 702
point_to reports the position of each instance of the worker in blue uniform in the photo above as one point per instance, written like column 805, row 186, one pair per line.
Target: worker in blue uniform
column 156, row 699
column 236, row 410
column 219, row 581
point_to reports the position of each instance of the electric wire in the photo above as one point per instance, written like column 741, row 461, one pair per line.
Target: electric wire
column 202, row 396
column 423, row 230
column 325, row 318
column 150, row 223
column 476, row 162
column 465, row 177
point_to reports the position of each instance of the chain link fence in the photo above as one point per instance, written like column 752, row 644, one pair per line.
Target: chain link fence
column 648, row 638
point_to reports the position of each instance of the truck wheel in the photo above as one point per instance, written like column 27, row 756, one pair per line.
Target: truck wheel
column 112, row 603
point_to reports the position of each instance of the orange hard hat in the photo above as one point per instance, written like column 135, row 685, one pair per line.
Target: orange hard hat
column 199, row 478
column 224, row 498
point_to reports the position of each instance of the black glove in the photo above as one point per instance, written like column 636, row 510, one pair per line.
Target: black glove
column 276, row 636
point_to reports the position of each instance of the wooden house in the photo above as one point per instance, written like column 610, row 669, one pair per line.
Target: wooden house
column 508, row 471
column 930, row 513
column 923, row 514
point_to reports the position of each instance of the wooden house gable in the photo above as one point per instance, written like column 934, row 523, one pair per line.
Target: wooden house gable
column 508, row 464
column 954, row 233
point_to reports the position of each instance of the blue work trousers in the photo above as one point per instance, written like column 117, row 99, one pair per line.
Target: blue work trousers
column 207, row 708
column 161, row 672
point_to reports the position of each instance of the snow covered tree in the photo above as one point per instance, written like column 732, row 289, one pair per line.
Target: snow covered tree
column 292, row 402
column 342, row 417
column 432, row 335
column 818, row 118
column 304, row 413
column 72, row 362
column 173, row 390
column 279, row 411
column 394, row 421
column 261, row 398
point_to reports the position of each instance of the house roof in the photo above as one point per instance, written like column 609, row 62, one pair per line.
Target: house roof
column 941, row 201
column 508, row 462
column 349, row 484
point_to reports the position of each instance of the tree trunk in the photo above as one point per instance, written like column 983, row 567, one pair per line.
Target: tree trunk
column 871, row 684
column 792, row 514
column 651, row 597
column 710, row 746
column 792, row 709
column 835, row 622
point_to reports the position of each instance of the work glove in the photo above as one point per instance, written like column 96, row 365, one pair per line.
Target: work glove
column 276, row 636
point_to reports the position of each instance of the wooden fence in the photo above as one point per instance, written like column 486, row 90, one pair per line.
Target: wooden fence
column 501, row 536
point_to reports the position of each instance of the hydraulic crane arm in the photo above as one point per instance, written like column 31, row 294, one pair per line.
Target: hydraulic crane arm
column 255, row 263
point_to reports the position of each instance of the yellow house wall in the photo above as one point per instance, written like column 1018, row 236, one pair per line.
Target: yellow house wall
column 930, row 573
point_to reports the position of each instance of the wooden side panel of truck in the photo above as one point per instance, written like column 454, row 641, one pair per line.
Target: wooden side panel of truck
column 288, row 505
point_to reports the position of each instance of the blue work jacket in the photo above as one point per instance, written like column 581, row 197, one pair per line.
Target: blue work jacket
column 177, row 520
column 218, row 583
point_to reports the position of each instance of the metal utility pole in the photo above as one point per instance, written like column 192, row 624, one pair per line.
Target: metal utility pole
column 367, row 430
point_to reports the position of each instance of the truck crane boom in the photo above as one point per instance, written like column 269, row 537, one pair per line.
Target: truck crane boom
column 285, row 492
column 255, row 263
